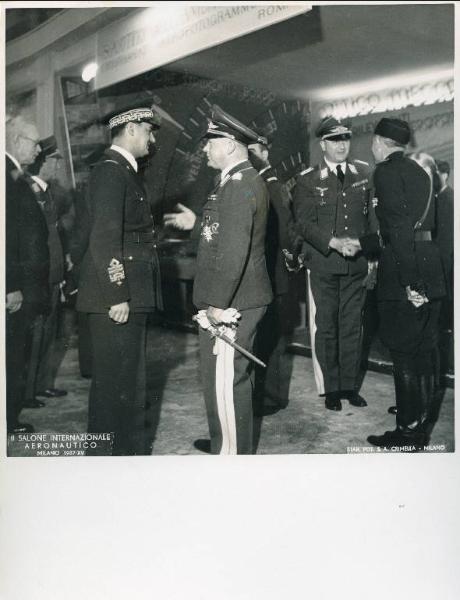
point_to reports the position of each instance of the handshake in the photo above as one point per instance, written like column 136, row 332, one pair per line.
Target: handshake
column 345, row 246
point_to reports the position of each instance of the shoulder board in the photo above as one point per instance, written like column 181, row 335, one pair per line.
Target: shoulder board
column 103, row 162
column 361, row 162
column 238, row 175
column 305, row 171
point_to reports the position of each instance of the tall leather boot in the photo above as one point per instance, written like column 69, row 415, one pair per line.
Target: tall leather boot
column 398, row 376
column 408, row 435
column 428, row 404
column 409, row 421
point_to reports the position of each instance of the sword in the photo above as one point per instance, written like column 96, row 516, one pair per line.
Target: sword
column 216, row 333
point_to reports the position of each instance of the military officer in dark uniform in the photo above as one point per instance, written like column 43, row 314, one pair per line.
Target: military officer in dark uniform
column 231, row 274
column 410, row 282
column 43, row 367
column 332, row 203
column 118, row 282
column 272, row 383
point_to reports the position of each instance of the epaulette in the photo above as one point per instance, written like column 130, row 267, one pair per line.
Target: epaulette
column 361, row 162
column 305, row 171
column 104, row 161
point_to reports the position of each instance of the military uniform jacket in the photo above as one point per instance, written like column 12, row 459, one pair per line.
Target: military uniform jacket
column 280, row 231
column 48, row 206
column 402, row 189
column 27, row 254
column 324, row 209
column 231, row 267
column 120, row 262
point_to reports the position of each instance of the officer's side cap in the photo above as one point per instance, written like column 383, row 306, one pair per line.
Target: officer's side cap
column 221, row 124
column 394, row 129
column 332, row 129
column 141, row 114
column 49, row 147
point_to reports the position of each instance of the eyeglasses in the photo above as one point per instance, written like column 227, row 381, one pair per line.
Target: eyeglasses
column 34, row 142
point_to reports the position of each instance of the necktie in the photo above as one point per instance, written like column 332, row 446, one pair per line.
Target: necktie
column 340, row 174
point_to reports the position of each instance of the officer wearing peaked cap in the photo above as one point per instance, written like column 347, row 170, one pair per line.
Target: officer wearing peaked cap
column 231, row 273
column 331, row 204
column 118, row 283
column 43, row 370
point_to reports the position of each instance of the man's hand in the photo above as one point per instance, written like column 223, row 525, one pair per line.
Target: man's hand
column 14, row 301
column 215, row 315
column 292, row 265
column 415, row 298
column 345, row 246
column 119, row 312
column 351, row 247
column 68, row 262
column 183, row 220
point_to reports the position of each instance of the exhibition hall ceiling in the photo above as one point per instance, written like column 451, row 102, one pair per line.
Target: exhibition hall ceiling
column 322, row 52
column 341, row 44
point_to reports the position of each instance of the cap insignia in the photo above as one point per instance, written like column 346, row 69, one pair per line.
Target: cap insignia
column 135, row 114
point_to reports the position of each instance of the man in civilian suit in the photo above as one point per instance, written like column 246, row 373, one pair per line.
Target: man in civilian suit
column 27, row 263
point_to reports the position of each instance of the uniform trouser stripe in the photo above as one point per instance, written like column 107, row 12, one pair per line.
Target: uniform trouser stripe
column 224, row 396
column 227, row 387
column 318, row 373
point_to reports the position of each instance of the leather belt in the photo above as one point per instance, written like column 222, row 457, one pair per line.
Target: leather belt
column 139, row 237
column 422, row 236
column 419, row 236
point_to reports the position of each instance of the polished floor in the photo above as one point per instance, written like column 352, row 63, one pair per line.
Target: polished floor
column 176, row 416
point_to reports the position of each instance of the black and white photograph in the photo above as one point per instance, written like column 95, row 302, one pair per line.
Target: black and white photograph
column 229, row 230
column 237, row 231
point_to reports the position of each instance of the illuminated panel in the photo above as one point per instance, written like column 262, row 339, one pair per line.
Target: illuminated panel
column 418, row 93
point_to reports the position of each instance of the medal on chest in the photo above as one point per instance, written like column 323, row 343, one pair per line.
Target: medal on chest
column 208, row 229
column 322, row 191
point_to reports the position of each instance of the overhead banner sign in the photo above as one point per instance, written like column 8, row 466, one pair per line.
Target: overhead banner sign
column 169, row 31
column 426, row 93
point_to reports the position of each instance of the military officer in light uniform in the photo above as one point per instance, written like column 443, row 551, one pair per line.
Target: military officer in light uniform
column 118, row 284
column 332, row 202
column 231, row 273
